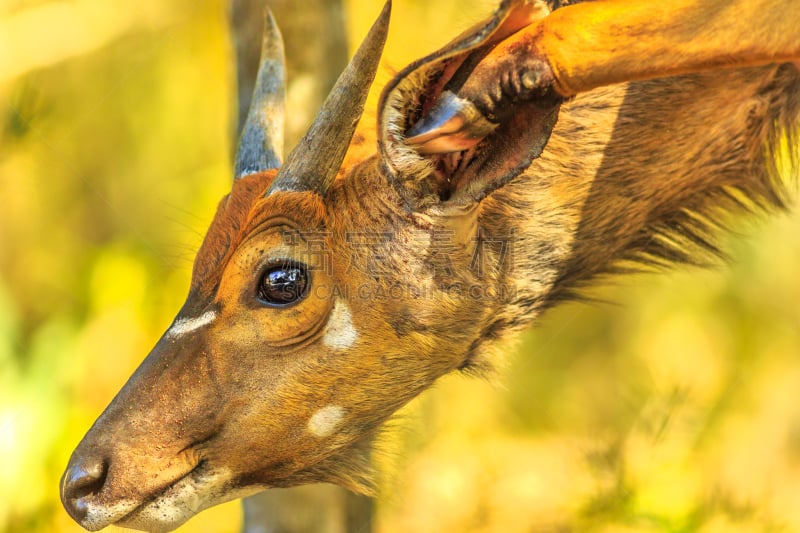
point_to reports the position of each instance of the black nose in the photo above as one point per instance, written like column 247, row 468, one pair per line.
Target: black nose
column 83, row 477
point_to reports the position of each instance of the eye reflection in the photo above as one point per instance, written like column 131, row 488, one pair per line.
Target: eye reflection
column 283, row 284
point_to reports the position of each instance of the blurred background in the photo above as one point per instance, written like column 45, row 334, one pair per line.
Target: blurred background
column 674, row 408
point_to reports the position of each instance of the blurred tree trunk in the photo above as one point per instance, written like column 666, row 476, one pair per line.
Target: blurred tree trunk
column 316, row 53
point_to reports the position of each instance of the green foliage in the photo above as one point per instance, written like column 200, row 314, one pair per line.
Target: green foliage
column 112, row 160
column 675, row 410
column 672, row 409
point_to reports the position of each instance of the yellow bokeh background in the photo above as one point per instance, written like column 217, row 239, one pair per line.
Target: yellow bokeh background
column 675, row 408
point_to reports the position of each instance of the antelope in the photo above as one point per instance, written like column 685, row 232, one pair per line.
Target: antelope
column 540, row 149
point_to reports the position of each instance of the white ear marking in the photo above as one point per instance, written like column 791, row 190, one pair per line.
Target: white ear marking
column 340, row 333
column 185, row 325
column 324, row 421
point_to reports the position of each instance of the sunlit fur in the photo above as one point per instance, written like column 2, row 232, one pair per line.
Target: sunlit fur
column 633, row 175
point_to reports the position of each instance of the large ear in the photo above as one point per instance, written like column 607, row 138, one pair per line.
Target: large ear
column 502, row 147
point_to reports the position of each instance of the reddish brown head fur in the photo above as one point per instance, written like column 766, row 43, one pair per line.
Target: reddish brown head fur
column 406, row 267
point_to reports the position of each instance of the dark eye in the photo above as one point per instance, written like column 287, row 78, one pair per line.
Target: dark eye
column 283, row 283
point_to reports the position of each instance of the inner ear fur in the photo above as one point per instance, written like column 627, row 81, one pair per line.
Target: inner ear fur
column 465, row 177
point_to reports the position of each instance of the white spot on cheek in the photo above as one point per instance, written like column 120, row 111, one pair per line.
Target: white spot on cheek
column 340, row 333
column 185, row 325
column 323, row 422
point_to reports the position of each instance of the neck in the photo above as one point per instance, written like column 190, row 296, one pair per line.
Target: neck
column 642, row 173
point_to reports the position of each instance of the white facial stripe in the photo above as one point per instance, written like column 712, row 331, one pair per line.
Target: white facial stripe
column 185, row 325
column 324, row 422
column 340, row 333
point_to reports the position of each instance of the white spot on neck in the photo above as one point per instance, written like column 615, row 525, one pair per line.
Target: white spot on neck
column 185, row 325
column 340, row 333
column 323, row 422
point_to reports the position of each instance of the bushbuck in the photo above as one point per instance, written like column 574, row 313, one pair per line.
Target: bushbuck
column 334, row 287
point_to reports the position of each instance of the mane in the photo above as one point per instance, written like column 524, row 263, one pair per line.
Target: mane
column 754, row 175
column 647, row 175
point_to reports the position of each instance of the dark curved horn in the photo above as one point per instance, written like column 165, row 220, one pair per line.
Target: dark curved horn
column 313, row 164
column 261, row 143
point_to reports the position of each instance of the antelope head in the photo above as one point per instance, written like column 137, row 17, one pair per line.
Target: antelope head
column 323, row 299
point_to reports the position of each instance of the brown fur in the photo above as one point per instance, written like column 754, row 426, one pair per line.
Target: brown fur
column 642, row 173
column 594, row 44
column 653, row 193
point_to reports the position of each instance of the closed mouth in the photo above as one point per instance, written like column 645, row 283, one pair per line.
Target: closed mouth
column 191, row 478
